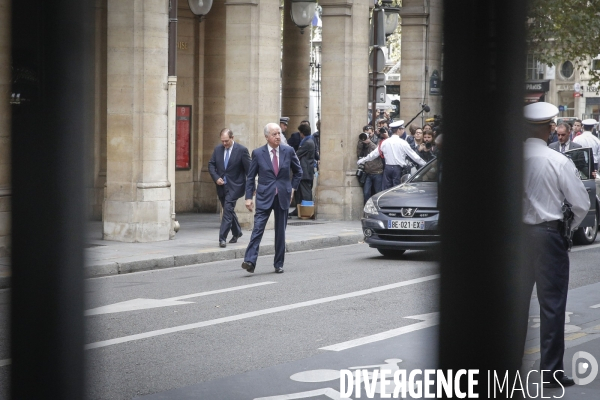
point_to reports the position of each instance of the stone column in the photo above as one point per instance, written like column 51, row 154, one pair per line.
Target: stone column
column 5, row 114
column 344, row 106
column 421, row 55
column 213, row 73
column 137, row 204
column 295, row 71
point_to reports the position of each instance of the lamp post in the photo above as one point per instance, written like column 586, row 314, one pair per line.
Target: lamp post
column 200, row 7
column 303, row 12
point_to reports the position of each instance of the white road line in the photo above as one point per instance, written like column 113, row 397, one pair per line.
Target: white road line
column 252, row 314
column 144, row 304
column 587, row 247
column 595, row 306
column 429, row 320
column 5, row 362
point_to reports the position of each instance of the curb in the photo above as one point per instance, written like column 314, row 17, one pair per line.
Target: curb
column 117, row 268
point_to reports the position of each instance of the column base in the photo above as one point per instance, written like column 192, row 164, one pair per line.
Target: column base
column 148, row 221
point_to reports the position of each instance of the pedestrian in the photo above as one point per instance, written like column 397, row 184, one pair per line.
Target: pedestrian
column 418, row 139
column 552, row 138
column 317, row 139
column 306, row 156
column 577, row 129
column 586, row 139
column 273, row 164
column 549, row 179
column 228, row 167
column 373, row 169
column 427, row 148
column 283, row 124
column 564, row 143
column 368, row 130
column 395, row 152
column 295, row 138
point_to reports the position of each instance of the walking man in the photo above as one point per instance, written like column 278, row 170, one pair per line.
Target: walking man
column 549, row 179
column 273, row 164
column 228, row 167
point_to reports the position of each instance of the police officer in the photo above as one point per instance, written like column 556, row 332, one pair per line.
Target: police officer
column 395, row 151
column 549, row 179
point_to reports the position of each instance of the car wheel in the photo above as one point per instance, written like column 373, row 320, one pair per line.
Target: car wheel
column 391, row 253
column 587, row 234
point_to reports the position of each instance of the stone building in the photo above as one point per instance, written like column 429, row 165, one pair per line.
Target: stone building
column 150, row 152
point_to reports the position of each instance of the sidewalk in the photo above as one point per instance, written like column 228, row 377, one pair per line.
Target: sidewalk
column 196, row 243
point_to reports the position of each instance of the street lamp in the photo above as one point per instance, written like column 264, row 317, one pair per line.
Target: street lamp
column 391, row 19
column 303, row 12
column 200, row 7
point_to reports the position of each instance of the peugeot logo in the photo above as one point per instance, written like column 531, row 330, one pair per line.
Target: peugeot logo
column 408, row 212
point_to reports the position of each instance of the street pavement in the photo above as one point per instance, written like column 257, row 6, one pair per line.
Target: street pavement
column 213, row 331
column 197, row 243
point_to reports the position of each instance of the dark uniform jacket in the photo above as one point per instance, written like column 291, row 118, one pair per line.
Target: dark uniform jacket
column 306, row 155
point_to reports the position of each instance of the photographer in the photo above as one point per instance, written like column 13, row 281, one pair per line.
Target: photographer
column 427, row 148
column 373, row 169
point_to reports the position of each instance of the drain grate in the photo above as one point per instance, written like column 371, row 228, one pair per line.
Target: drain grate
column 303, row 223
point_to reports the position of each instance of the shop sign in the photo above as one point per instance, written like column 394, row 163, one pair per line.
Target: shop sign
column 592, row 91
column 537, row 86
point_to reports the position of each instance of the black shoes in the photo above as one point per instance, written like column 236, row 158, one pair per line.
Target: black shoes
column 235, row 238
column 248, row 266
column 564, row 381
column 222, row 243
column 279, row 270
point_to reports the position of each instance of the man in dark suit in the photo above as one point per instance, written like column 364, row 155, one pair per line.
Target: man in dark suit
column 273, row 164
column 564, row 142
column 295, row 138
column 228, row 167
column 306, row 155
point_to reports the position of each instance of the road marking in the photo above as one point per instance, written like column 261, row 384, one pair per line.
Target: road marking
column 5, row 362
column 595, row 306
column 586, row 247
column 429, row 320
column 576, row 336
column 144, row 304
column 238, row 317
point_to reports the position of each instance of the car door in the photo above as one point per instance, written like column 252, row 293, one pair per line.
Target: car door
column 582, row 159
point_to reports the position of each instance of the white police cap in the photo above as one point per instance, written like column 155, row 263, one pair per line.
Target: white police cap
column 589, row 122
column 540, row 113
column 397, row 124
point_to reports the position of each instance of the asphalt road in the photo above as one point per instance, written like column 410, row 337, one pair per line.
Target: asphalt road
column 196, row 337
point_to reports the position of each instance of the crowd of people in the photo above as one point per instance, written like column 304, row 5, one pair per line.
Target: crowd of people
column 388, row 152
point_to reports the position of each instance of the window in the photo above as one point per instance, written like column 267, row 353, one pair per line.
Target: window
column 596, row 65
column 535, row 69
column 566, row 70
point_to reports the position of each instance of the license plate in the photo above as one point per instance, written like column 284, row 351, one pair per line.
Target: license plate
column 414, row 225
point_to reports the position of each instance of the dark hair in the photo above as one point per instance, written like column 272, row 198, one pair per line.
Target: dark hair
column 304, row 129
column 305, row 122
column 578, row 120
column 367, row 127
column 430, row 133
column 229, row 132
column 564, row 125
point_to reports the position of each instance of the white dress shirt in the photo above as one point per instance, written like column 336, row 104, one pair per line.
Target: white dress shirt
column 550, row 178
column 271, row 154
column 394, row 151
column 586, row 139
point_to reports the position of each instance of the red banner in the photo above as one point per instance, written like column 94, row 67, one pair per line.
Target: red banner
column 182, row 142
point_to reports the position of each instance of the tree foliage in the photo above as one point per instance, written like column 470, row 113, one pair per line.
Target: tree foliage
column 560, row 30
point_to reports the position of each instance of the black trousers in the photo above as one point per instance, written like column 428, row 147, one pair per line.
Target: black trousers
column 548, row 268
column 229, row 220
column 304, row 191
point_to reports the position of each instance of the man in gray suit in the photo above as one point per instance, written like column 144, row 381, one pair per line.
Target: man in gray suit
column 228, row 167
column 564, row 142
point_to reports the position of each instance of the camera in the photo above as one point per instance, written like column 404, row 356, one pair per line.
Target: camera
column 382, row 131
column 428, row 145
column 362, row 137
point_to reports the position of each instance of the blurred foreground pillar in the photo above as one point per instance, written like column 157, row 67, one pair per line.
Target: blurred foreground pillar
column 52, row 55
column 481, row 190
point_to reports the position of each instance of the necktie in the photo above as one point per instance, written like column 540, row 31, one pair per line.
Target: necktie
column 226, row 162
column 275, row 166
column 562, row 148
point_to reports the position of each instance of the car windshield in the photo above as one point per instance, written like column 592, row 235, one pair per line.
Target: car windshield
column 429, row 173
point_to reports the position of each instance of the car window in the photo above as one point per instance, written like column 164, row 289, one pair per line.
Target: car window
column 581, row 159
column 427, row 174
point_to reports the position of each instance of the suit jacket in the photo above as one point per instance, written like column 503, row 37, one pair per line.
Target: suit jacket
column 572, row 145
column 262, row 166
column 306, row 155
column 237, row 169
column 294, row 140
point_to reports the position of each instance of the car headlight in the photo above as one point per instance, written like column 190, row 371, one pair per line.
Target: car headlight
column 370, row 207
